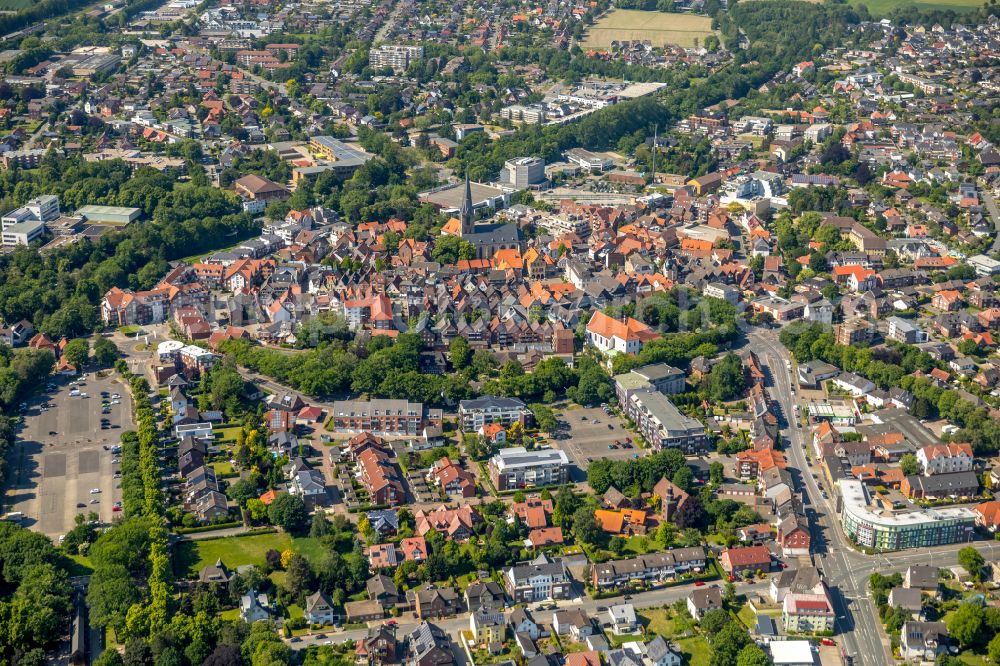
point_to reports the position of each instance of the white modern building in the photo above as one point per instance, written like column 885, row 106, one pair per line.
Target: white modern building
column 878, row 528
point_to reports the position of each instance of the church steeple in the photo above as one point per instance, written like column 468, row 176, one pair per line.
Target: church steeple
column 467, row 213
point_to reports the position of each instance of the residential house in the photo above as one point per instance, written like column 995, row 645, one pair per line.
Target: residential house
column 319, row 609
column 703, row 599
column 622, row 619
column 746, row 559
column 487, row 626
column 573, row 622
column 437, row 602
column 428, row 645
column 946, row 458
column 540, row 579
column 378, row 648
column 521, row 622
column 254, row 607
column 923, row 641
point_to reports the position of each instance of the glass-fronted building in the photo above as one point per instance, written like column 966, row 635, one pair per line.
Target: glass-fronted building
column 881, row 529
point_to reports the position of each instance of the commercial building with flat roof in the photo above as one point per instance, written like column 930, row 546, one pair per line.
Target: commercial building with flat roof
column 23, row 233
column 117, row 215
column 516, row 467
column 883, row 528
column 449, row 198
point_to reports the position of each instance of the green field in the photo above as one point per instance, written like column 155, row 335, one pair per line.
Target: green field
column 14, row 5
column 192, row 555
column 883, row 7
column 660, row 28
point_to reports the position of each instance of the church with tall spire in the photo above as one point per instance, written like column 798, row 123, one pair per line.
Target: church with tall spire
column 467, row 211
column 486, row 237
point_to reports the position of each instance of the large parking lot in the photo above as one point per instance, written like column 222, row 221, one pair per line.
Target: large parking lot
column 587, row 436
column 62, row 454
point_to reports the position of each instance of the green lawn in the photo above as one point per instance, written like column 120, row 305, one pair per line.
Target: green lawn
column 657, row 622
column 695, row 649
column 236, row 551
column 80, row 565
column 226, row 433
column 14, row 5
column 641, row 545
column 223, row 468
column 195, row 258
column 882, row 7
column 129, row 330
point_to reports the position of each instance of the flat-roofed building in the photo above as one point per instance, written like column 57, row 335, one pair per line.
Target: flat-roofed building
column 663, row 425
column 516, row 467
column 653, row 377
column 588, row 160
column 478, row 412
column 396, row 56
column 116, row 215
column 23, row 233
column 883, row 528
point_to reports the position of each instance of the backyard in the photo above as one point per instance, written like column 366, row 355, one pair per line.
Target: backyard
column 660, row 28
column 665, row 622
column 236, row 551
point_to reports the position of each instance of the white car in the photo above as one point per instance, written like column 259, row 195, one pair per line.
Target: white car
column 84, row 395
column 115, row 396
column 94, row 491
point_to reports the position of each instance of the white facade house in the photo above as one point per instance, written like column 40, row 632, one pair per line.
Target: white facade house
column 946, row 458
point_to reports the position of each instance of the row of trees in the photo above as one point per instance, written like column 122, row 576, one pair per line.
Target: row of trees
column 141, row 478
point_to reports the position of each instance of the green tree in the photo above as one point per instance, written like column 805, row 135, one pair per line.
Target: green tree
column 459, row 352
column 105, row 351
column 585, row 526
column 993, row 649
column 973, row 561
column 752, row 655
column 966, row 625
column 909, row 464
column 714, row 620
column 289, row 513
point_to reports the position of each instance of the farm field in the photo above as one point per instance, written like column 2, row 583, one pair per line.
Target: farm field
column 14, row 5
column 660, row 28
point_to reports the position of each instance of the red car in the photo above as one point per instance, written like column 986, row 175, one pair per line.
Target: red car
column 828, row 641
column 699, row 583
column 116, row 508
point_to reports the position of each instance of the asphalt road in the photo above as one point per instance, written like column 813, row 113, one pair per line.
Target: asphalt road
column 51, row 475
column 857, row 623
column 846, row 570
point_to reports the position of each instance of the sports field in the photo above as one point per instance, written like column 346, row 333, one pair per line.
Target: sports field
column 660, row 28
